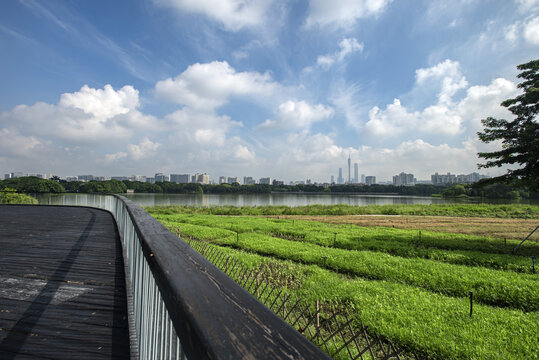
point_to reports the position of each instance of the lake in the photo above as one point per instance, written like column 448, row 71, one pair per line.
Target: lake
column 257, row 199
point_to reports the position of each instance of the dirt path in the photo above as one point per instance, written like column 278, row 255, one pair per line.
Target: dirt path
column 500, row 228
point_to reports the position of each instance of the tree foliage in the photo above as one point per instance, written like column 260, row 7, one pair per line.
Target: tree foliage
column 520, row 137
column 32, row 185
column 10, row 196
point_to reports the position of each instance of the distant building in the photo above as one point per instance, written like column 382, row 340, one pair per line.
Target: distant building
column 160, row 177
column 72, row 178
column 349, row 172
column 277, row 183
column 441, row 179
column 340, row 179
column 121, row 178
column 139, row 178
column 470, row 178
column 265, row 181
column 179, row 178
column 203, row 179
column 370, row 180
column 404, row 179
column 332, row 179
column 85, row 178
column 248, row 180
column 363, row 178
column 232, row 180
column 150, row 180
column 449, row 178
column 356, row 173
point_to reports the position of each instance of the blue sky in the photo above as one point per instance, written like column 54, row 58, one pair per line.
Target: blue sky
column 286, row 89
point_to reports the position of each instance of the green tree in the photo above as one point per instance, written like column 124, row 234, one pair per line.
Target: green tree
column 520, row 137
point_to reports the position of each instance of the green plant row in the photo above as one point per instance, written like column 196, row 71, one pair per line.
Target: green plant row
column 430, row 324
column 493, row 287
column 465, row 210
column 445, row 247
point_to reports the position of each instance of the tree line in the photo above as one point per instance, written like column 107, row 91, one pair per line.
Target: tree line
column 34, row 185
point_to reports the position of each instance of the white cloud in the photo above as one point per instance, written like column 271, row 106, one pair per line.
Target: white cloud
column 144, row 149
column 347, row 46
column 242, row 153
column 342, row 13
column 447, row 74
column 102, row 103
column 298, row 114
column 208, row 86
column 526, row 5
column 531, row 31
column 511, row 32
column 14, row 144
column 115, row 157
column 199, row 128
column 89, row 115
column 234, row 15
column 447, row 118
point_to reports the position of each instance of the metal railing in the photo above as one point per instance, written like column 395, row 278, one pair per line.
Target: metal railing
column 181, row 306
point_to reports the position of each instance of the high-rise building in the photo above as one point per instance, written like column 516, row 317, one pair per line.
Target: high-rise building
column 179, row 178
column 222, row 180
column 232, row 180
column 363, row 178
column 437, row 179
column 265, row 181
column 349, row 173
column 202, row 179
column 356, row 173
column 340, row 179
column 248, row 180
column 332, row 179
column 404, row 179
column 160, row 177
column 370, row 180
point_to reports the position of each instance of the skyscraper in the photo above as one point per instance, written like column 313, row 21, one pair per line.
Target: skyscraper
column 356, row 173
column 340, row 179
column 349, row 172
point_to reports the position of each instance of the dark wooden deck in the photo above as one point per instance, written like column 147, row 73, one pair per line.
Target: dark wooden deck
column 62, row 290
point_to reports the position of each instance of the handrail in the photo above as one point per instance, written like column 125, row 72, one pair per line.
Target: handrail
column 184, row 306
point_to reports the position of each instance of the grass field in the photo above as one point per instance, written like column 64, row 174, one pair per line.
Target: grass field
column 409, row 284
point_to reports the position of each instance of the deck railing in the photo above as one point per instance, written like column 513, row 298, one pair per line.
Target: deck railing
column 182, row 306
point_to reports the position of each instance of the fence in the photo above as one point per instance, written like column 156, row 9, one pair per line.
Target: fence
column 330, row 326
column 181, row 306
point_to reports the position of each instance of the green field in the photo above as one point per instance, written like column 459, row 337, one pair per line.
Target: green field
column 411, row 287
column 461, row 210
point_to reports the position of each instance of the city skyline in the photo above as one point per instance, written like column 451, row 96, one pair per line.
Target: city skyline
column 242, row 86
column 402, row 179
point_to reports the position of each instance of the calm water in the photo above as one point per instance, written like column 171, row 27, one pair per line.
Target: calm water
column 251, row 199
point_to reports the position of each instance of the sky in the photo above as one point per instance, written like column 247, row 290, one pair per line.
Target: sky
column 261, row 88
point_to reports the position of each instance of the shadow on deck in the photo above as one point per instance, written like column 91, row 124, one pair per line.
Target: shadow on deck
column 62, row 288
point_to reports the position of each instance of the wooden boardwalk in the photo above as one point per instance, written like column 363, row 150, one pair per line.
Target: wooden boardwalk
column 62, row 291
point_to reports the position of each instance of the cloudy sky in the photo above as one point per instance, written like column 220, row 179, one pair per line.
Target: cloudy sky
column 278, row 88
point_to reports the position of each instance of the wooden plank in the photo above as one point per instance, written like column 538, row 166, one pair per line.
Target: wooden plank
column 63, row 292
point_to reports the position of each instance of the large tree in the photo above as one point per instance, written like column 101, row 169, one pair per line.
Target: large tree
column 520, row 137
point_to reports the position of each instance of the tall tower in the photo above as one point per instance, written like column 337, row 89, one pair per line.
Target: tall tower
column 349, row 173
